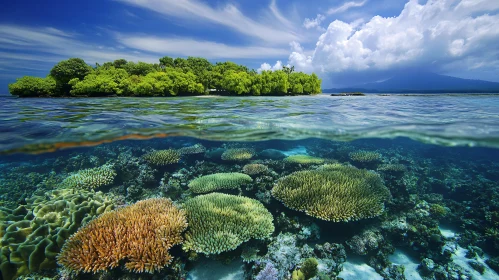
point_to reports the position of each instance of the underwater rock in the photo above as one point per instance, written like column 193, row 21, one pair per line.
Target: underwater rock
column 238, row 154
column 366, row 242
column 221, row 222
column 141, row 234
column 219, row 181
column 163, row 157
column 271, row 154
column 342, row 194
column 32, row 235
column 92, row 178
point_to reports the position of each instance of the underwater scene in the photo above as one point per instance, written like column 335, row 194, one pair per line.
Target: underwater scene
column 200, row 188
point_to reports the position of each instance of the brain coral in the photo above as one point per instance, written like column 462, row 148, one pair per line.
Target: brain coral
column 32, row 234
column 341, row 193
column 163, row 157
column 140, row 235
column 219, row 181
column 254, row 168
column 238, row 154
column 304, row 159
column 221, row 222
column 91, row 178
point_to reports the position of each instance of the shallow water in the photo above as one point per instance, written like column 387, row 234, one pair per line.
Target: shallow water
column 437, row 156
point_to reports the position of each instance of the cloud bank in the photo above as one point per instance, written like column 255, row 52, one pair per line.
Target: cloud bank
column 437, row 36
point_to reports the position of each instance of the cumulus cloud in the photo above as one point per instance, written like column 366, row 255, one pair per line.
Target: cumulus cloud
column 433, row 36
column 267, row 67
column 314, row 23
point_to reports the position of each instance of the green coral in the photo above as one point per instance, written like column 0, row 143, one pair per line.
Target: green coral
column 365, row 156
column 221, row 222
column 343, row 193
column 32, row 234
column 255, row 168
column 309, row 268
column 238, row 154
column 218, row 181
column 392, row 167
column 91, row 178
column 192, row 150
column 163, row 157
column 304, row 159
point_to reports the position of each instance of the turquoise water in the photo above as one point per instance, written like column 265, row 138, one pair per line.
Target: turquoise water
column 368, row 187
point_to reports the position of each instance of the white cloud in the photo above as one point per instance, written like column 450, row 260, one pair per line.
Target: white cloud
column 190, row 47
column 346, row 6
column 266, row 66
column 228, row 15
column 435, row 36
column 314, row 23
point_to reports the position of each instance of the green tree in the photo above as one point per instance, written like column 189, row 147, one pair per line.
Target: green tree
column 140, row 68
column 102, row 82
column 120, row 63
column 237, row 82
column 67, row 70
column 166, row 62
column 33, row 86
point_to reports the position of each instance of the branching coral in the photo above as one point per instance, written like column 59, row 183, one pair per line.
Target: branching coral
column 238, row 154
column 192, row 150
column 392, row 167
column 141, row 234
column 254, row 168
column 304, row 159
column 163, row 157
column 338, row 194
column 364, row 156
column 219, row 181
column 32, row 234
column 221, row 222
column 91, row 178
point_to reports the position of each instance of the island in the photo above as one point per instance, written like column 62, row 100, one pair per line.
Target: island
column 170, row 77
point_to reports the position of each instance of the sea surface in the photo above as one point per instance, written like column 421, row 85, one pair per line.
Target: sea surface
column 372, row 187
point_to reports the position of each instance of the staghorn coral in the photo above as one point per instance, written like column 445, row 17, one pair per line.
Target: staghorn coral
column 304, row 159
column 255, row 168
column 141, row 234
column 364, row 156
column 392, row 167
column 339, row 194
column 32, row 234
column 238, row 154
column 192, row 150
column 91, row 178
column 221, row 222
column 219, row 181
column 163, row 157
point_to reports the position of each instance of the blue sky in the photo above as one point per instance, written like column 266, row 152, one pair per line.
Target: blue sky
column 345, row 42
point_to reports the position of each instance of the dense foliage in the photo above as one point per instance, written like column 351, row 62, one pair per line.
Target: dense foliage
column 171, row 77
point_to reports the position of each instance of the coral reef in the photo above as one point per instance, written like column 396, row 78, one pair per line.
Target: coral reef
column 218, row 181
column 192, row 150
column 221, row 222
column 341, row 194
column 32, row 234
column 163, row 157
column 92, row 178
column 255, row 169
column 271, row 154
column 238, row 154
column 141, row 234
column 304, row 159
column 269, row 272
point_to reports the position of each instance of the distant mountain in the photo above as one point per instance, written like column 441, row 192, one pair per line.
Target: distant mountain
column 422, row 82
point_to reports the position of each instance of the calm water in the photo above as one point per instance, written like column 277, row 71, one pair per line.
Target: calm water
column 394, row 187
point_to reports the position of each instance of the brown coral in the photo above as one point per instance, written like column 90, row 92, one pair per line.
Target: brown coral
column 140, row 234
column 255, row 168
column 163, row 157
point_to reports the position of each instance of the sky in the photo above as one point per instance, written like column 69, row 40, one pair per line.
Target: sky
column 345, row 42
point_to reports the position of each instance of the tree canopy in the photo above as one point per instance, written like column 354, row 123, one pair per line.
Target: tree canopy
column 169, row 77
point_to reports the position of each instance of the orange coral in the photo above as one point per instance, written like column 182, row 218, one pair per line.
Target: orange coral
column 141, row 234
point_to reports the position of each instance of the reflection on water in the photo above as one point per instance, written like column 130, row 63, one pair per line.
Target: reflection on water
column 406, row 209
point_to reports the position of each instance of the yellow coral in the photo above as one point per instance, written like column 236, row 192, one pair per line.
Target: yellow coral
column 91, row 178
column 238, row 154
column 191, row 150
column 140, row 234
column 341, row 193
column 219, row 181
column 254, row 169
column 304, row 159
column 364, row 156
column 221, row 222
column 163, row 157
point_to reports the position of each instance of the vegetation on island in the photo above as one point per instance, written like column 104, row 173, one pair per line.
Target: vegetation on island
column 169, row 77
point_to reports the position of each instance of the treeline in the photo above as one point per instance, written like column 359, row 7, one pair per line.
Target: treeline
column 169, row 77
